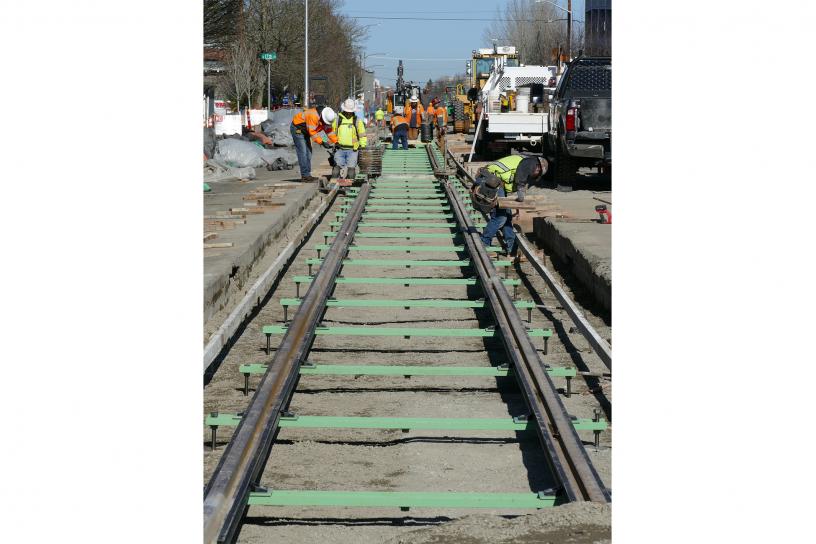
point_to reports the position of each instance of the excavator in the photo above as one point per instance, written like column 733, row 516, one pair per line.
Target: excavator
column 402, row 93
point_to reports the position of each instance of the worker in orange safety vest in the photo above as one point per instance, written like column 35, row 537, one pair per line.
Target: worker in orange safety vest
column 415, row 113
column 306, row 128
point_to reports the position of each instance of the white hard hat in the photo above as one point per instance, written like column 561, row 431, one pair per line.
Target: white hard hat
column 348, row 105
column 328, row 115
column 414, row 99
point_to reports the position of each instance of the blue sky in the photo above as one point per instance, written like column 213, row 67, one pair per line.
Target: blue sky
column 450, row 42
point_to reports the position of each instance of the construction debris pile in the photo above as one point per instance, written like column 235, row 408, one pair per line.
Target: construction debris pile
column 235, row 157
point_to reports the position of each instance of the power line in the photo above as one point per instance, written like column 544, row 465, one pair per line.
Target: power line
column 462, row 19
column 458, row 59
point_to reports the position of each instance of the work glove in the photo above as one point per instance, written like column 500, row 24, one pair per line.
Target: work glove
column 520, row 195
column 326, row 145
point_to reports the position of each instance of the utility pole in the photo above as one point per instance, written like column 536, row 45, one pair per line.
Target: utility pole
column 306, row 71
column 569, row 30
column 269, row 85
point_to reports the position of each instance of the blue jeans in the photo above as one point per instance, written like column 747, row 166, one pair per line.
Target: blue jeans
column 345, row 157
column 500, row 218
column 303, row 148
column 400, row 137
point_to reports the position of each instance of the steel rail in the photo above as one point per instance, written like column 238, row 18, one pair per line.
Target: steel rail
column 567, row 457
column 240, row 467
column 600, row 346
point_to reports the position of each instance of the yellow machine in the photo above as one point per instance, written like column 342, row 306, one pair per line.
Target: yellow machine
column 483, row 60
column 478, row 68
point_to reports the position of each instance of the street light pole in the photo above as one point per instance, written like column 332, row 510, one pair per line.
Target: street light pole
column 569, row 30
column 569, row 23
column 306, row 71
column 269, row 85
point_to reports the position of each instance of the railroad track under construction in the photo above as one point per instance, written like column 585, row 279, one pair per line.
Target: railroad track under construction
column 406, row 346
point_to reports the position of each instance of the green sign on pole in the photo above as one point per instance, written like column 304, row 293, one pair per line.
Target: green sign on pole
column 269, row 56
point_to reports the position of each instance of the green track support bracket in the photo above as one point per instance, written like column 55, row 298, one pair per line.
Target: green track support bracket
column 406, row 332
column 400, row 235
column 403, row 216
column 407, row 263
column 402, row 499
column 409, row 249
column 404, row 225
column 431, row 201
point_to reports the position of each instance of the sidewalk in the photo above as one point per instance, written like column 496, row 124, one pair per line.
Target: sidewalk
column 227, row 269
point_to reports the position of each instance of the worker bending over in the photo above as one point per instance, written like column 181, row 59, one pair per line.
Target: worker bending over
column 498, row 179
column 351, row 136
column 399, row 131
column 306, row 128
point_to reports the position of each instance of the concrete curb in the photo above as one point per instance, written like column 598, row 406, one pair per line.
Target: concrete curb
column 257, row 292
column 216, row 290
column 592, row 271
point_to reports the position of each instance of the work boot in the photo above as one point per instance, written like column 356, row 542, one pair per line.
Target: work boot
column 351, row 173
column 308, row 179
column 335, row 173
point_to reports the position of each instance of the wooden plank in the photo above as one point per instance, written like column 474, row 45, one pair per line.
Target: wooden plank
column 209, row 236
column 283, row 185
column 245, row 211
column 512, row 204
column 218, row 245
column 224, row 224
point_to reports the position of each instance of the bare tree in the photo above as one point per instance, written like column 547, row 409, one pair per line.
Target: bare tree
column 277, row 25
column 536, row 29
column 234, row 74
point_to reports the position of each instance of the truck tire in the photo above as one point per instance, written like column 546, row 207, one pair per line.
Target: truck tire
column 565, row 170
column 459, row 116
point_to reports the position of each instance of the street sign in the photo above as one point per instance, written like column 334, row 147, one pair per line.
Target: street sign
column 268, row 56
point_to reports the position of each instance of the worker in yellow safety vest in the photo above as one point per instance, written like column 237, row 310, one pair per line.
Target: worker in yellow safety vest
column 379, row 116
column 513, row 173
column 351, row 137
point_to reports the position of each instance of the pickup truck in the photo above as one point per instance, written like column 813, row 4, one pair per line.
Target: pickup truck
column 580, row 120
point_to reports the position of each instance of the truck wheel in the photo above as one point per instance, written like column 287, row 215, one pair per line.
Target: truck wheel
column 565, row 171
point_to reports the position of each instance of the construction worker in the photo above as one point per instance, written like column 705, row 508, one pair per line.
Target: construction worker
column 399, row 131
column 351, row 136
column 441, row 115
column 379, row 116
column 306, row 128
column 516, row 173
column 505, row 102
column 430, row 114
column 415, row 114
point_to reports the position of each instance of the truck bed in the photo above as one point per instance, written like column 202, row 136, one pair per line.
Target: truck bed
column 517, row 123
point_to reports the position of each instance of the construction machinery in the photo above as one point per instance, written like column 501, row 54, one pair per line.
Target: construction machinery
column 403, row 92
column 479, row 68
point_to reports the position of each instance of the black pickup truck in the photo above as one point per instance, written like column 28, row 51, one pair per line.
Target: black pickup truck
column 580, row 120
